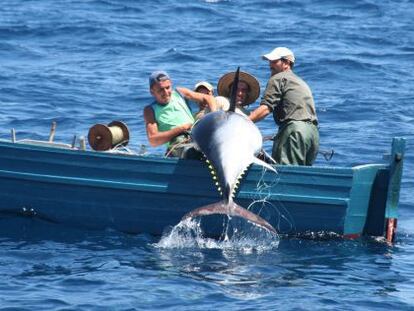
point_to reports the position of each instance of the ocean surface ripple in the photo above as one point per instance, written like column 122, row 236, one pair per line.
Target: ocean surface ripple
column 85, row 62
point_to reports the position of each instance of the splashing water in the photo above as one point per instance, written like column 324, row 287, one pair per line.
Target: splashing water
column 238, row 235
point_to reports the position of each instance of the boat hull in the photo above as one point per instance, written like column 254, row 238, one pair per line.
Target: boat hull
column 143, row 194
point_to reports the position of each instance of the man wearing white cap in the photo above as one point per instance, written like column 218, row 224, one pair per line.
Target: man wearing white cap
column 290, row 100
column 203, row 87
column 168, row 118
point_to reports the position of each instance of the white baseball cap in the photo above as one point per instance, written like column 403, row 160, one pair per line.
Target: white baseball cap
column 205, row 84
column 278, row 53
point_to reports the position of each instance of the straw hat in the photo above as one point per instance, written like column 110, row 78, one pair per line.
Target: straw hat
column 224, row 86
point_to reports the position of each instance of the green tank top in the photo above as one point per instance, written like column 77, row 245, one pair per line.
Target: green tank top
column 173, row 114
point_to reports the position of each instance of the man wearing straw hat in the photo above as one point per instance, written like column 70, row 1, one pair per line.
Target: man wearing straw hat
column 168, row 118
column 290, row 100
column 248, row 90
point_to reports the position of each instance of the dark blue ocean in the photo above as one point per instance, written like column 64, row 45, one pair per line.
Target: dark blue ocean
column 85, row 62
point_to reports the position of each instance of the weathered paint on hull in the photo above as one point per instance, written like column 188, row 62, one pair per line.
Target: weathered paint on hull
column 135, row 194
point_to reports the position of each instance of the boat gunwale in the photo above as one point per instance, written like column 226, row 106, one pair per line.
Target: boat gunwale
column 292, row 169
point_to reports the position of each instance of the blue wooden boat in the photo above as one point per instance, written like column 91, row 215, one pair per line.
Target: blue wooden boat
column 145, row 194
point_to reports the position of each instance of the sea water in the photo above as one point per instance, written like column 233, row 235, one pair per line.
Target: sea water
column 85, row 62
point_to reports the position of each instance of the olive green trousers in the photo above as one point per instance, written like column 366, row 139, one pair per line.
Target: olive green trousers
column 296, row 143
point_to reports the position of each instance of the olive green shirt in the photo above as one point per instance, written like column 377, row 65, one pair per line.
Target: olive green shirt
column 289, row 98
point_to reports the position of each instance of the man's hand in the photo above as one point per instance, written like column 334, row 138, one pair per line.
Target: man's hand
column 186, row 127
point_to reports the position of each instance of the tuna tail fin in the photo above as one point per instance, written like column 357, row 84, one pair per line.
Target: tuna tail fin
column 231, row 209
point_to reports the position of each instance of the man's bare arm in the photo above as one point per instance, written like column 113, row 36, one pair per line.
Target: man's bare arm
column 259, row 113
column 204, row 100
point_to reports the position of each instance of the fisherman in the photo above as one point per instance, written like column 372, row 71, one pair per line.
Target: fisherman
column 248, row 90
column 168, row 119
column 203, row 87
column 290, row 100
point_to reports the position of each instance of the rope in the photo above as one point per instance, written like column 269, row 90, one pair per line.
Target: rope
column 180, row 144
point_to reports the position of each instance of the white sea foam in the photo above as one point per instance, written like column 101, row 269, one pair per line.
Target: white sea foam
column 238, row 235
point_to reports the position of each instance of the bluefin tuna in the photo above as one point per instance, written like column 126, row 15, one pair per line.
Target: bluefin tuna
column 230, row 142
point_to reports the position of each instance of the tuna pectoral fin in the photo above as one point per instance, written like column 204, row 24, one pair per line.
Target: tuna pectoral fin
column 263, row 163
column 231, row 209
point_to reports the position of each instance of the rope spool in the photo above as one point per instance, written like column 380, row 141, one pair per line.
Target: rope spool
column 105, row 137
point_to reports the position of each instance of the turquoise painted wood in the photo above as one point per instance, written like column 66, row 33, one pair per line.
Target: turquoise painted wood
column 98, row 190
column 394, row 183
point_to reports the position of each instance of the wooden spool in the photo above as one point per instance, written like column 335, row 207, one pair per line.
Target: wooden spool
column 105, row 137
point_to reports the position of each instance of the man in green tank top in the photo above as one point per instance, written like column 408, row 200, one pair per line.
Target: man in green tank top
column 290, row 100
column 168, row 119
